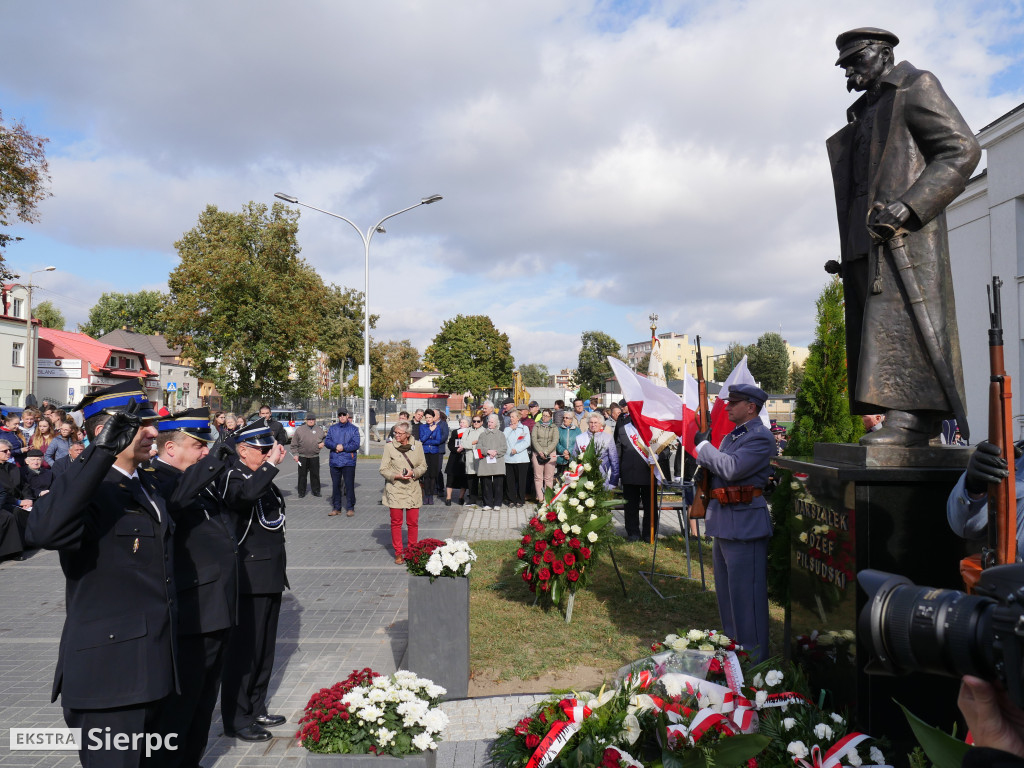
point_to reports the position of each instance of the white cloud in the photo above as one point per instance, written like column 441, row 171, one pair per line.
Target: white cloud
column 598, row 161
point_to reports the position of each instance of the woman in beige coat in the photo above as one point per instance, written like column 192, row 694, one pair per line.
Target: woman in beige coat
column 402, row 465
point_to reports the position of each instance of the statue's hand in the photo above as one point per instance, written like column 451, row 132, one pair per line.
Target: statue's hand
column 893, row 215
column 833, row 267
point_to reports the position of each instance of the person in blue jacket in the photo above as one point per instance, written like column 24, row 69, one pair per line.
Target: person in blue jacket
column 738, row 518
column 343, row 442
column 433, row 438
column 442, row 420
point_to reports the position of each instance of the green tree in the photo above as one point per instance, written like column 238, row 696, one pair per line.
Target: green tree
column 243, row 305
column 796, row 377
column 534, row 374
column 593, row 368
column 140, row 312
column 768, row 362
column 340, row 327
column 471, row 354
column 391, row 365
column 47, row 313
column 24, row 180
column 725, row 363
column 822, row 416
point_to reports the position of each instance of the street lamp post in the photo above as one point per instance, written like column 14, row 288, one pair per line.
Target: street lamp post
column 367, row 237
column 29, row 362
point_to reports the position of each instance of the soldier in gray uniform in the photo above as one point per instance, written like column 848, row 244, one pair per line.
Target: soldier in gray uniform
column 738, row 519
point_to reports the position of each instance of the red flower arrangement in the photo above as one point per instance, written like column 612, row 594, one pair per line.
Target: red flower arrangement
column 416, row 555
column 318, row 722
column 559, row 541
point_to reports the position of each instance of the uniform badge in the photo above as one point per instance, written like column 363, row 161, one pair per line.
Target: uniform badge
column 135, row 546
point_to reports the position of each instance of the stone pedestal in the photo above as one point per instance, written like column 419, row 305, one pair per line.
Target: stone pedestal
column 439, row 633
column 860, row 507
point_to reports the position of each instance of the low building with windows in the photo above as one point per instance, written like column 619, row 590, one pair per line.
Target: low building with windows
column 179, row 387
column 15, row 344
column 71, row 365
column 676, row 348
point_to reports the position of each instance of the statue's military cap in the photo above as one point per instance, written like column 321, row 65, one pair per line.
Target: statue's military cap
column 856, row 40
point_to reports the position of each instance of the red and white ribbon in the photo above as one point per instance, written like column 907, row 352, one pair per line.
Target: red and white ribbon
column 567, row 479
column 559, row 733
column 740, row 710
column 705, row 720
column 834, row 755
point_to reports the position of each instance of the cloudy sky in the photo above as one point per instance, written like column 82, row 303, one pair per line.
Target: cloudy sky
column 599, row 161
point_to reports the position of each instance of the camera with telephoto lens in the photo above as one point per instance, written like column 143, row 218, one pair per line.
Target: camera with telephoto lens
column 907, row 628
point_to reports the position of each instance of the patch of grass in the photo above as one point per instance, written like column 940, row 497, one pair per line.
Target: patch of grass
column 510, row 635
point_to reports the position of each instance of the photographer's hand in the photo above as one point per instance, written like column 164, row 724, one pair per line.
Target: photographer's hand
column 993, row 719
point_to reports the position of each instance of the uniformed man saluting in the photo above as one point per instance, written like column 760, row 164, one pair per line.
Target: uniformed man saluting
column 249, row 492
column 205, row 572
column 738, row 518
column 117, row 660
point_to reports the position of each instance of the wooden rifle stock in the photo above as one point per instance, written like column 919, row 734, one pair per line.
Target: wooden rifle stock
column 1002, row 497
column 702, row 495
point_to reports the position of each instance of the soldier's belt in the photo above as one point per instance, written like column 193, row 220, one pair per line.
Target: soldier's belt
column 735, row 494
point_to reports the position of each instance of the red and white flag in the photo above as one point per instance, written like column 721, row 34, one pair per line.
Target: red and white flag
column 650, row 406
column 720, row 424
column 691, row 404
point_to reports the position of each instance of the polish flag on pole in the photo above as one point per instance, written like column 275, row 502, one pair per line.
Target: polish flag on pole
column 656, row 366
column 720, row 424
column 650, row 406
column 691, row 404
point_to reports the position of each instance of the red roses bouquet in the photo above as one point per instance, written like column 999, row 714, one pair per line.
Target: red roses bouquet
column 561, row 541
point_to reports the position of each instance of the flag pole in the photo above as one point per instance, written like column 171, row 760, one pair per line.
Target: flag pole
column 650, row 501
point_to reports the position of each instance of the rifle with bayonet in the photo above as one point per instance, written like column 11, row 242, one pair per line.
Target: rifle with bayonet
column 702, row 495
column 1002, row 497
column 1001, row 547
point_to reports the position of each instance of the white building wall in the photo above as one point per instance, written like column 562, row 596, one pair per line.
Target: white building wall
column 986, row 238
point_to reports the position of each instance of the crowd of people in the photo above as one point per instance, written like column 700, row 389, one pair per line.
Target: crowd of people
column 504, row 457
column 36, row 445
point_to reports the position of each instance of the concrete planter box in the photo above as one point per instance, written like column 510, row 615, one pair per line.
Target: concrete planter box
column 439, row 632
column 420, row 760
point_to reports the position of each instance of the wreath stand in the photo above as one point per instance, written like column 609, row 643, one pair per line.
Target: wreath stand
column 572, row 594
column 682, row 510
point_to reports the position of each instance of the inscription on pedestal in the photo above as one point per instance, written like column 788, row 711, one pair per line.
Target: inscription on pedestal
column 817, row 547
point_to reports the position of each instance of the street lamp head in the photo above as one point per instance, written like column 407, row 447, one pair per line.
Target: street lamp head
column 49, row 269
column 430, row 199
column 381, row 230
column 286, row 198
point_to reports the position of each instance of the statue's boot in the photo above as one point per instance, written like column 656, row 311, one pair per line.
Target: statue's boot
column 904, row 429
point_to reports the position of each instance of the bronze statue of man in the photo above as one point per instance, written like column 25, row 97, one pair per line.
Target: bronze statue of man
column 903, row 156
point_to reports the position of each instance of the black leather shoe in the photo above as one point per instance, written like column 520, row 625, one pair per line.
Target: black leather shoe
column 316, row 494
column 252, row 732
column 302, row 495
column 271, row 720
